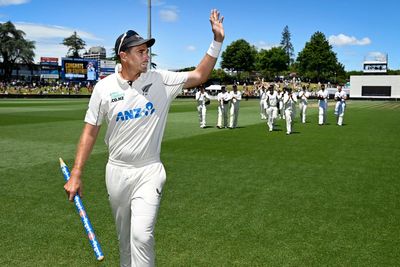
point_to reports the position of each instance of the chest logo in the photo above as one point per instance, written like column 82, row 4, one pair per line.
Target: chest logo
column 146, row 88
column 136, row 113
column 117, row 96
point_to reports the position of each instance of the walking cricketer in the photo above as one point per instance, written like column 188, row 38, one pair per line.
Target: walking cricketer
column 340, row 97
column 322, row 96
column 202, row 99
column 289, row 101
column 303, row 96
column 271, row 106
column 223, row 99
column 135, row 102
column 236, row 97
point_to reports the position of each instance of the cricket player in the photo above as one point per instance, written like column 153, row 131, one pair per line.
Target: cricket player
column 271, row 105
column 135, row 102
column 322, row 96
column 236, row 97
column 262, row 92
column 289, row 101
column 340, row 97
column 303, row 96
column 202, row 99
column 223, row 99
column 281, row 107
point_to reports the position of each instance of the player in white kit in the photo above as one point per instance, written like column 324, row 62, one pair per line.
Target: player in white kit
column 281, row 112
column 223, row 99
column 262, row 92
column 236, row 97
column 289, row 101
column 271, row 105
column 303, row 96
column 135, row 102
column 322, row 96
column 340, row 97
column 202, row 97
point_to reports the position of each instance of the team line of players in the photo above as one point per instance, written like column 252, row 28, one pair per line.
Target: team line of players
column 274, row 104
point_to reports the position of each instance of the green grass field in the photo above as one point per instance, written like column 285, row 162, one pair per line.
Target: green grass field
column 323, row 196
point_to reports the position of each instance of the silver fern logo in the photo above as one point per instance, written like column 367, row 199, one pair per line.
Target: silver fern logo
column 146, row 88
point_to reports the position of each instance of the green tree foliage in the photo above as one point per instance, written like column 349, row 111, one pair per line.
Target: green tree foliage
column 287, row 44
column 239, row 56
column 318, row 62
column 74, row 44
column 14, row 48
column 272, row 62
column 221, row 76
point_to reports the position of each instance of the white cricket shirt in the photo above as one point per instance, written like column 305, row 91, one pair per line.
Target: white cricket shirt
column 342, row 95
column 271, row 100
column 235, row 96
column 136, row 114
column 304, row 95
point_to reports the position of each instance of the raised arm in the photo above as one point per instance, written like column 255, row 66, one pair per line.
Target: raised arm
column 204, row 69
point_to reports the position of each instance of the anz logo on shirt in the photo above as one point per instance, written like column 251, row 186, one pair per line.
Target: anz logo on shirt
column 136, row 113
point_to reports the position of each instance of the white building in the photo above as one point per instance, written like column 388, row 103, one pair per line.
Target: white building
column 375, row 86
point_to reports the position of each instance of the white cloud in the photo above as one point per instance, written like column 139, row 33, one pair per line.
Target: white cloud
column 38, row 31
column 191, row 48
column 376, row 56
column 342, row 40
column 48, row 38
column 169, row 14
column 13, row 2
column 263, row 45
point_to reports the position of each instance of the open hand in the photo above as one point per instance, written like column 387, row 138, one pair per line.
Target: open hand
column 217, row 26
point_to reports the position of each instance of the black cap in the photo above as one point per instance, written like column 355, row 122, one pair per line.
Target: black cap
column 129, row 39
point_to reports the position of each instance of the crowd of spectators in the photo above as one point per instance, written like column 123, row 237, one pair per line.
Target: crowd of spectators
column 17, row 87
column 56, row 87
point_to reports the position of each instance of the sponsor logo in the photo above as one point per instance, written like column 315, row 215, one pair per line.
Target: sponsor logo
column 136, row 113
column 117, row 96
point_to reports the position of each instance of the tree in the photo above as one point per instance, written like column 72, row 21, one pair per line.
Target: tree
column 287, row 44
column 14, row 48
column 272, row 62
column 317, row 61
column 239, row 56
column 74, row 44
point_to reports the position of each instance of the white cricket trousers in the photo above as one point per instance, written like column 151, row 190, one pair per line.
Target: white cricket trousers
column 202, row 110
column 234, row 114
column 222, row 120
column 289, row 115
column 135, row 194
column 262, row 110
column 339, row 112
column 303, row 109
column 272, row 114
column 322, row 107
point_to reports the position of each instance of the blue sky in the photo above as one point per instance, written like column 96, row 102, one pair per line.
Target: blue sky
column 355, row 28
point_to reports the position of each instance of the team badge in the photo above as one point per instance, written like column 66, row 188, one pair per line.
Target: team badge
column 146, row 88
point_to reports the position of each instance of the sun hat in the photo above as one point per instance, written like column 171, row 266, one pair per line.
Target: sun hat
column 129, row 39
